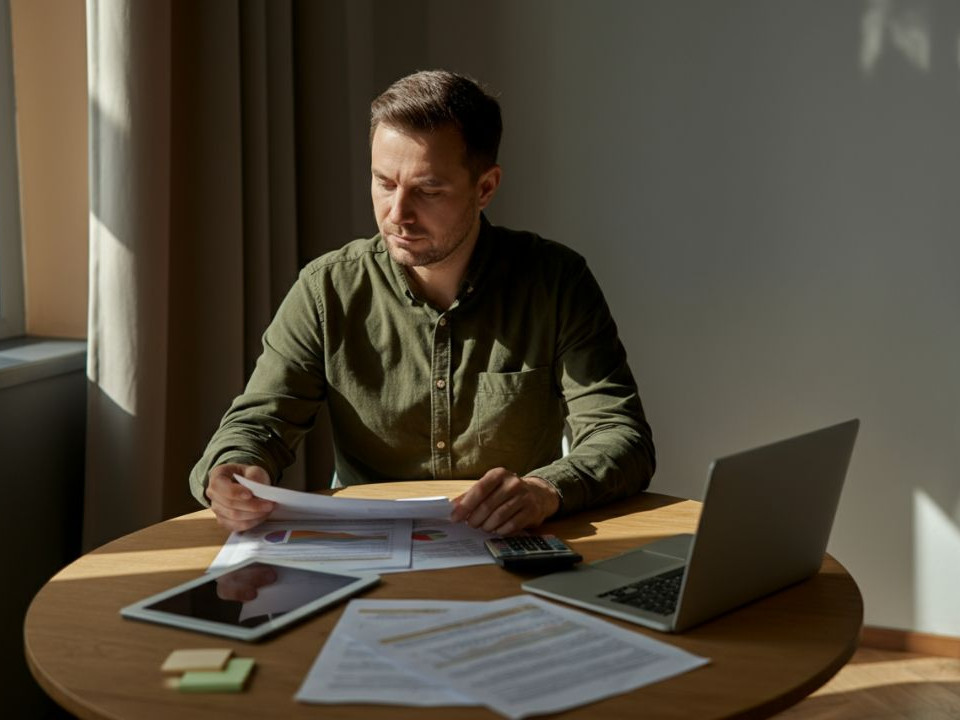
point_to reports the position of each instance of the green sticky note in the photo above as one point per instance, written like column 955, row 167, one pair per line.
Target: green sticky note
column 231, row 679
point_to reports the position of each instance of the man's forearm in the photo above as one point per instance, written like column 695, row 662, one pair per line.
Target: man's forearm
column 609, row 465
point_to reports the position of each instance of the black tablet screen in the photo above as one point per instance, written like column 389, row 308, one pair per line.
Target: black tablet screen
column 252, row 595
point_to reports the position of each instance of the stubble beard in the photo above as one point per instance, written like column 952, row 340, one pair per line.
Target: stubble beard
column 435, row 251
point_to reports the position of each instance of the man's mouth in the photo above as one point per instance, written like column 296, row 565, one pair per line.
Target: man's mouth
column 406, row 239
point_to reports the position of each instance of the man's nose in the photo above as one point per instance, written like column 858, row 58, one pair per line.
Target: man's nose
column 401, row 209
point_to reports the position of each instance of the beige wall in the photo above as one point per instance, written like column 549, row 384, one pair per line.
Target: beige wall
column 50, row 60
column 767, row 192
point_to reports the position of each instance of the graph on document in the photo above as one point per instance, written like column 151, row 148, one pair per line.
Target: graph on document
column 328, row 541
column 429, row 535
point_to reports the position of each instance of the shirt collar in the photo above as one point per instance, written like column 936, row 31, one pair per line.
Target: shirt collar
column 399, row 275
column 479, row 260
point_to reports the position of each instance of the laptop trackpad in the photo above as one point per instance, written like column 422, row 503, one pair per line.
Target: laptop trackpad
column 652, row 558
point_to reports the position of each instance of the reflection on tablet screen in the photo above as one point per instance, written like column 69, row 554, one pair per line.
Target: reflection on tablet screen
column 252, row 595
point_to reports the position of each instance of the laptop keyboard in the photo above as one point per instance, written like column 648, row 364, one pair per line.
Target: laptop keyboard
column 657, row 594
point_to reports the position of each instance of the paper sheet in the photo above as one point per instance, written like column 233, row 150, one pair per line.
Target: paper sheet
column 442, row 544
column 347, row 671
column 295, row 505
column 342, row 544
column 524, row 656
column 383, row 545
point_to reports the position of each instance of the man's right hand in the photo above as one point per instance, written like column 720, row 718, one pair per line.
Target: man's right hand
column 236, row 507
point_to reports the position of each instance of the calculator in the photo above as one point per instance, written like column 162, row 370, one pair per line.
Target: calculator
column 532, row 552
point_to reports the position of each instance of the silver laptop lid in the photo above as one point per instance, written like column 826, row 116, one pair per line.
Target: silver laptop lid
column 766, row 519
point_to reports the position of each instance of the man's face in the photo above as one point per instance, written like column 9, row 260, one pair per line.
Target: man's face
column 426, row 201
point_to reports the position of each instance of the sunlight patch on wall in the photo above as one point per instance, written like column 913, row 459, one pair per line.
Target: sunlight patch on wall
column 936, row 567
column 903, row 26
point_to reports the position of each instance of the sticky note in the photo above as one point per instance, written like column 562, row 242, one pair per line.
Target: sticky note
column 209, row 659
column 230, row 680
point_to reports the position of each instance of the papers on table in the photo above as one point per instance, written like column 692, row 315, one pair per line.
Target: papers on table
column 295, row 505
column 349, row 671
column 519, row 656
column 350, row 534
column 348, row 544
column 444, row 544
column 381, row 545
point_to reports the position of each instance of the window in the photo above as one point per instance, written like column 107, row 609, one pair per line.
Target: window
column 11, row 254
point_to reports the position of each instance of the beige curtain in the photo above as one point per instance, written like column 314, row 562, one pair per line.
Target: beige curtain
column 197, row 163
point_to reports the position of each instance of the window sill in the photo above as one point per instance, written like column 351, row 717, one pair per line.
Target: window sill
column 26, row 359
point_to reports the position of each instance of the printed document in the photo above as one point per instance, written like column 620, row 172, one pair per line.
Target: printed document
column 348, row 671
column 443, row 544
column 346, row 544
column 435, row 541
column 524, row 656
column 382, row 545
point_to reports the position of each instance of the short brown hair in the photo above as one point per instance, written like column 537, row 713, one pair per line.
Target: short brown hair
column 431, row 99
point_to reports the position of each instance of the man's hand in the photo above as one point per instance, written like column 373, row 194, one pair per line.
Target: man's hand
column 502, row 502
column 236, row 507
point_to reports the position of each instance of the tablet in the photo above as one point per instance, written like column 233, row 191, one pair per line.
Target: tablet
column 249, row 600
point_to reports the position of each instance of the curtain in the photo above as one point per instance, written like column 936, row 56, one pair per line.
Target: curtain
column 205, row 200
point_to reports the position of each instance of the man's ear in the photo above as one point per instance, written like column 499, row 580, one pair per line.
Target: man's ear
column 487, row 185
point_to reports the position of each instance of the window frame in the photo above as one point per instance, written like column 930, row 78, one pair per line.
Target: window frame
column 11, row 244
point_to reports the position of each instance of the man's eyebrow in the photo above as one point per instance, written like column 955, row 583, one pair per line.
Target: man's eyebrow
column 424, row 181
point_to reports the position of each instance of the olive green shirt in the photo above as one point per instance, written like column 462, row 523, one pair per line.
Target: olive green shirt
column 418, row 393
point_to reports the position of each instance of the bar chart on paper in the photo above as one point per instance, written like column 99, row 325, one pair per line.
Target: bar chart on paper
column 349, row 544
column 428, row 535
column 329, row 542
column 322, row 537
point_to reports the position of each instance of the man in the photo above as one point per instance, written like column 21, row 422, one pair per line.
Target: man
column 445, row 347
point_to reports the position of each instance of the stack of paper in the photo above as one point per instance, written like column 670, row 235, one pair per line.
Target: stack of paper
column 355, row 535
column 519, row 656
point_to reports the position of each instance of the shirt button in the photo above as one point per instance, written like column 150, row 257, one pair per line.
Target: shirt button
column 441, row 445
column 443, row 322
column 441, row 383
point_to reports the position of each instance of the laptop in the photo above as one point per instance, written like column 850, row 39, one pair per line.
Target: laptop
column 764, row 525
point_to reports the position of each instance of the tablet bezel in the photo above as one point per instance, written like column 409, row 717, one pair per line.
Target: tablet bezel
column 140, row 610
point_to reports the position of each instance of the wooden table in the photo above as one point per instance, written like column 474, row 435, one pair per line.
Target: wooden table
column 765, row 657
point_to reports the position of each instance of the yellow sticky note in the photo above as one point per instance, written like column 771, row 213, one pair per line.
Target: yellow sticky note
column 200, row 659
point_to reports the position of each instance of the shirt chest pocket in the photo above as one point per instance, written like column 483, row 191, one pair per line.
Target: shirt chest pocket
column 515, row 410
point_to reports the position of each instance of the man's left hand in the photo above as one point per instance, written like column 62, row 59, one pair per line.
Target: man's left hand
column 502, row 502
